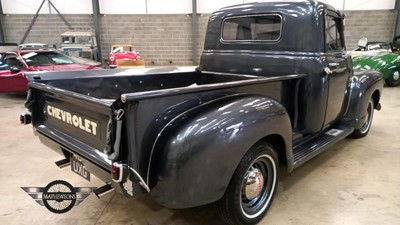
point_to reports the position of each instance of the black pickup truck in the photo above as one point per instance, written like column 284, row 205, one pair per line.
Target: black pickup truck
column 274, row 86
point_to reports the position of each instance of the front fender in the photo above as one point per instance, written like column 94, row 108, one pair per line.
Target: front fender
column 196, row 155
column 361, row 87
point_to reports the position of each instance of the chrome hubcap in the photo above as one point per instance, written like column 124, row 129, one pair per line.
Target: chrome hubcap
column 368, row 118
column 257, row 186
column 254, row 183
column 396, row 75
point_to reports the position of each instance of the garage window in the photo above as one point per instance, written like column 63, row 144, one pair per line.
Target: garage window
column 252, row 28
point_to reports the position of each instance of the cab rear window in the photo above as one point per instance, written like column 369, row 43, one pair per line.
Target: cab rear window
column 252, row 28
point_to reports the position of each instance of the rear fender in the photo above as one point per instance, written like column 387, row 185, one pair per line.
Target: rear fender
column 362, row 86
column 196, row 155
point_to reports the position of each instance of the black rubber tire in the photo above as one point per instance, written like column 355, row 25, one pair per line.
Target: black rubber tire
column 364, row 130
column 391, row 81
column 231, row 207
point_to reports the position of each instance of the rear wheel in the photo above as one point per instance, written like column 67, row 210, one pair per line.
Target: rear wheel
column 369, row 114
column 394, row 79
column 252, row 187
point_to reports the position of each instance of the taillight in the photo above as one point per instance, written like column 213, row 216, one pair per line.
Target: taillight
column 116, row 172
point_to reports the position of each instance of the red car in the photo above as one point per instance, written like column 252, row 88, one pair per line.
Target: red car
column 124, row 56
column 14, row 63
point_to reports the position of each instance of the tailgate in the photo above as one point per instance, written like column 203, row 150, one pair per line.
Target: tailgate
column 78, row 123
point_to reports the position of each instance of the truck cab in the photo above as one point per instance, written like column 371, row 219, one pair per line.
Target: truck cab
column 271, row 39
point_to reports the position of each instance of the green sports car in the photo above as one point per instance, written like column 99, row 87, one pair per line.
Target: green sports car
column 388, row 63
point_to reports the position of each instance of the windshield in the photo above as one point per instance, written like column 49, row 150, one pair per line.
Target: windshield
column 45, row 58
column 77, row 40
column 122, row 49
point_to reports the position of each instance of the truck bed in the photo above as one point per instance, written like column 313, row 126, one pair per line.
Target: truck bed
column 110, row 84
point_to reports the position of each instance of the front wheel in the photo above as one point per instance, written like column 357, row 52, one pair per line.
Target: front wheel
column 252, row 187
column 394, row 79
column 369, row 114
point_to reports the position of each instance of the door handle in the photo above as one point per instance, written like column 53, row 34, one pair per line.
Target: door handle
column 327, row 71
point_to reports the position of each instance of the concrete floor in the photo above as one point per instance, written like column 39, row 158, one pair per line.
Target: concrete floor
column 355, row 182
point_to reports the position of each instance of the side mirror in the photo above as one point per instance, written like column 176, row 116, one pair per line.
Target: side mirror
column 14, row 69
column 362, row 43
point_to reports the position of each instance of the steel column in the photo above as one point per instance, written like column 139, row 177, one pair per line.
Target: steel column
column 397, row 25
column 32, row 22
column 1, row 24
column 60, row 15
column 194, row 32
column 96, row 13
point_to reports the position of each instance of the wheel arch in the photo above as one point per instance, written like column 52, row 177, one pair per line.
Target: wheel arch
column 279, row 145
column 197, row 156
column 376, row 96
column 363, row 85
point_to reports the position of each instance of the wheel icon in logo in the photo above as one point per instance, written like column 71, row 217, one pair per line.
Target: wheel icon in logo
column 59, row 196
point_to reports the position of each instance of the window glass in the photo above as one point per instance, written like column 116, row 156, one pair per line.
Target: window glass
column 334, row 41
column 46, row 58
column 82, row 40
column 252, row 28
column 11, row 62
column 122, row 49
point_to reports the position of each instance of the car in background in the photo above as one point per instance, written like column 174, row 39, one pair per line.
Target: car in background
column 14, row 63
column 80, row 43
column 388, row 63
column 371, row 48
column 38, row 46
column 33, row 46
column 124, row 56
column 380, row 56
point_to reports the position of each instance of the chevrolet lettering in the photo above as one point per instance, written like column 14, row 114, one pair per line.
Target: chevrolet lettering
column 72, row 119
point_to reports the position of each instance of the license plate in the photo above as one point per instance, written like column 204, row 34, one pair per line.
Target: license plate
column 78, row 167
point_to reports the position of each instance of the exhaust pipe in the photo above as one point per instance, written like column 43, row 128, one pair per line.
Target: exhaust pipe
column 101, row 191
column 25, row 118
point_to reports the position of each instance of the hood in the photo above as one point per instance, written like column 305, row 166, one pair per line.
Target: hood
column 384, row 60
column 75, row 66
column 126, row 55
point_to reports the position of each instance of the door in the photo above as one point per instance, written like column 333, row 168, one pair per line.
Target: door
column 337, row 66
column 11, row 74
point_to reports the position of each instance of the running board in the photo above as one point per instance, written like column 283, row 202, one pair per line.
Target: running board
column 312, row 148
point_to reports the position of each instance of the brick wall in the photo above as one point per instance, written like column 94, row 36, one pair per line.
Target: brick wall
column 161, row 39
column 376, row 25
column 166, row 39
column 47, row 28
